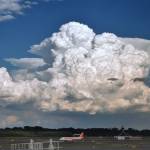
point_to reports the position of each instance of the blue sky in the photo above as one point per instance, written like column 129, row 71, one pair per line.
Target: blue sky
column 125, row 18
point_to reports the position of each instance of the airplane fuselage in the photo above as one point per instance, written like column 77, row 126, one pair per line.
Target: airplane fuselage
column 80, row 137
column 70, row 138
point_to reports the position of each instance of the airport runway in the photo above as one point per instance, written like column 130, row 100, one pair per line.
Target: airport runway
column 87, row 144
column 108, row 144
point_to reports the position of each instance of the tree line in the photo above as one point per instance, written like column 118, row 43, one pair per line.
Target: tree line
column 40, row 131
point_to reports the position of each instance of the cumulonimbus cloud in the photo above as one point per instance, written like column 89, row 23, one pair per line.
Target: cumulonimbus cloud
column 87, row 72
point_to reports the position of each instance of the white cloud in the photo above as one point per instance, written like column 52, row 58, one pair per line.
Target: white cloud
column 6, row 17
column 140, row 44
column 10, row 8
column 89, row 73
column 19, row 91
column 43, row 49
column 10, row 120
column 27, row 63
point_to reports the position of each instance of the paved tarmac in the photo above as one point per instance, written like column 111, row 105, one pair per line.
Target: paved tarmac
column 87, row 144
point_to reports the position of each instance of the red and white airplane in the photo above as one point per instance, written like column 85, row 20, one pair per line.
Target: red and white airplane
column 73, row 138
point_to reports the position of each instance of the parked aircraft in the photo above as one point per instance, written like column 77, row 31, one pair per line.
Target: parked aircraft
column 73, row 138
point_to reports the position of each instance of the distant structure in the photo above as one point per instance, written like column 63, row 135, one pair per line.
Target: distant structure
column 122, row 136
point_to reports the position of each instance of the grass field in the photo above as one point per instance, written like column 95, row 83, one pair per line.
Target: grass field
column 87, row 144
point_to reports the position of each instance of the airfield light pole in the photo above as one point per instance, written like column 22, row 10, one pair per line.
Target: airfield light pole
column 31, row 144
column 51, row 146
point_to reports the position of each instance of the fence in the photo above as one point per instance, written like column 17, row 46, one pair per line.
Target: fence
column 48, row 145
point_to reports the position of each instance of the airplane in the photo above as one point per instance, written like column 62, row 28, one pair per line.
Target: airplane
column 73, row 138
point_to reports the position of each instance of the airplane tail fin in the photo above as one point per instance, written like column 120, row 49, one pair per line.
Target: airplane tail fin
column 82, row 135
